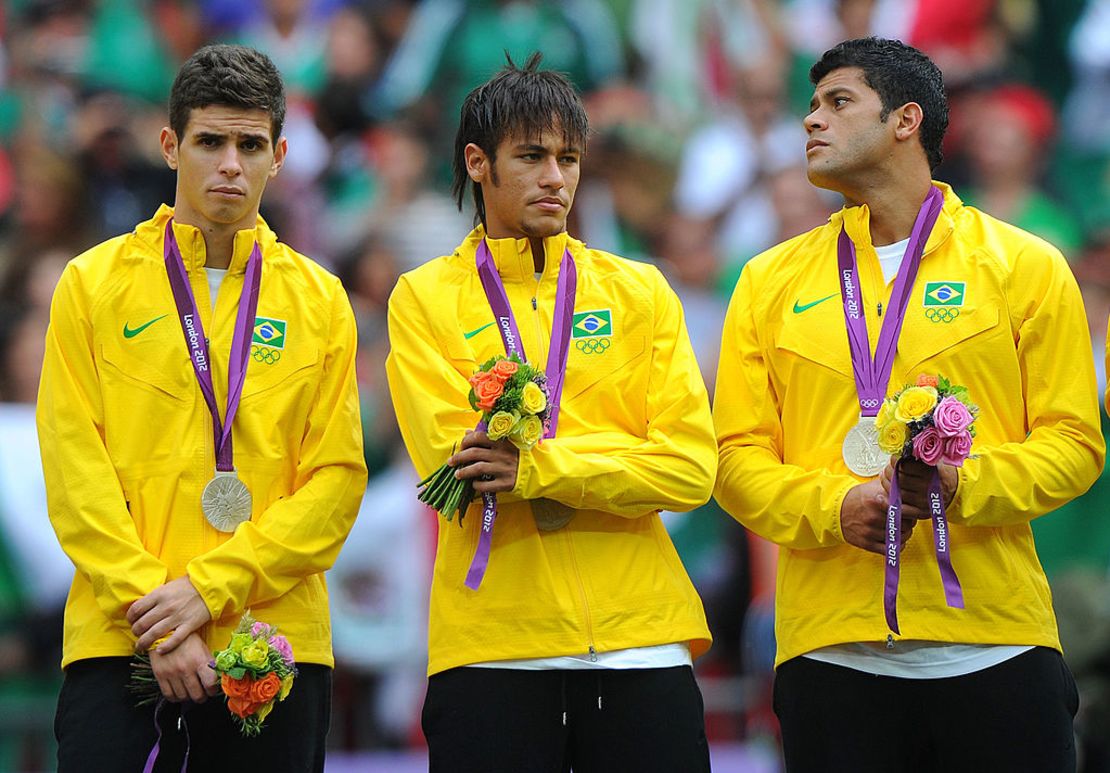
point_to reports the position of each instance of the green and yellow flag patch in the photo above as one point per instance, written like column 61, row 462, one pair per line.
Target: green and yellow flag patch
column 588, row 324
column 269, row 332
column 944, row 293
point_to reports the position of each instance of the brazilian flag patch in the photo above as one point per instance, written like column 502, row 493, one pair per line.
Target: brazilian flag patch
column 944, row 294
column 269, row 332
column 588, row 324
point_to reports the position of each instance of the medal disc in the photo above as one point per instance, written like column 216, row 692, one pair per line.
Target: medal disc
column 861, row 449
column 550, row 515
column 226, row 502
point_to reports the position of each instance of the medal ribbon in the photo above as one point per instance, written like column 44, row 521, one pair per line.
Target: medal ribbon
column 872, row 377
column 189, row 317
column 556, row 370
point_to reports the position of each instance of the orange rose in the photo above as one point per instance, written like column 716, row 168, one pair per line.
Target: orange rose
column 266, row 688
column 242, row 707
column 236, row 688
column 487, row 391
column 926, row 380
column 503, row 369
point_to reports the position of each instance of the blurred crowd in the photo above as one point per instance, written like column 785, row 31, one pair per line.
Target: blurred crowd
column 696, row 163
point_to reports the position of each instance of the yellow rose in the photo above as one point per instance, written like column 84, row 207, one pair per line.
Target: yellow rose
column 256, row 653
column 239, row 641
column 886, row 413
column 892, row 437
column 533, row 400
column 286, row 687
column 915, row 402
column 528, row 432
column 265, row 711
column 501, row 424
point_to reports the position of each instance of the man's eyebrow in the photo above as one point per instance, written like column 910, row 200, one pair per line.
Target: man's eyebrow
column 534, row 148
column 260, row 137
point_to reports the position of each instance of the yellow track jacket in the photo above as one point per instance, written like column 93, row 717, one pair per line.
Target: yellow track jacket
column 1010, row 327
column 635, row 436
column 127, row 440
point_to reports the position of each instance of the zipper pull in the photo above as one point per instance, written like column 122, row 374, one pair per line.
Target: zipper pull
column 593, row 654
column 880, row 308
column 890, row 641
column 533, row 304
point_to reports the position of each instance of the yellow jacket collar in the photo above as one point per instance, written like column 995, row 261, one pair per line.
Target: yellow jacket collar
column 857, row 221
column 191, row 241
column 513, row 257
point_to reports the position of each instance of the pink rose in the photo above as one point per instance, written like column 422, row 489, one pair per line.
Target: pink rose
column 281, row 644
column 956, row 449
column 951, row 417
column 928, row 445
column 259, row 629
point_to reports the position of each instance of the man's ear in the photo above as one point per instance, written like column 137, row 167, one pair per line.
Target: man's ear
column 477, row 163
column 909, row 117
column 280, row 149
column 168, row 141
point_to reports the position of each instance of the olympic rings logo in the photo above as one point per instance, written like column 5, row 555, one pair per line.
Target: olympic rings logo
column 592, row 345
column 265, row 354
column 942, row 314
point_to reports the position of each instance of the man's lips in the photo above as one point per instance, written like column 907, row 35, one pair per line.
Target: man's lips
column 226, row 190
column 549, row 203
column 814, row 144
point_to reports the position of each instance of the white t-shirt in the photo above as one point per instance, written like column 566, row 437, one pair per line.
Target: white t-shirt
column 660, row 656
column 215, row 278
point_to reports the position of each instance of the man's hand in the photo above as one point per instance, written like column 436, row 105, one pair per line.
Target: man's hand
column 863, row 518
column 174, row 608
column 914, row 478
column 490, row 464
column 184, row 673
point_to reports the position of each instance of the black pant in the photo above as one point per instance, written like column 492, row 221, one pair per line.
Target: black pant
column 482, row 720
column 100, row 730
column 1015, row 717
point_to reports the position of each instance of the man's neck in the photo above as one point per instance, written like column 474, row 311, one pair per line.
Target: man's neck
column 893, row 207
column 219, row 239
column 537, row 254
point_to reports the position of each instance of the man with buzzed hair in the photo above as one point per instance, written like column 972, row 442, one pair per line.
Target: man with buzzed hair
column 574, row 649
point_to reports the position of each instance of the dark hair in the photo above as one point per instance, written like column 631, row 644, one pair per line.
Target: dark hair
column 517, row 101
column 231, row 76
column 899, row 74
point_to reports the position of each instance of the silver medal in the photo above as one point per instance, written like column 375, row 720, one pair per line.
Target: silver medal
column 550, row 515
column 226, row 501
column 861, row 449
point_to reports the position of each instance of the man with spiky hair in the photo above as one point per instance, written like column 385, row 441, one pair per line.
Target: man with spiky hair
column 199, row 425
column 570, row 645
column 905, row 645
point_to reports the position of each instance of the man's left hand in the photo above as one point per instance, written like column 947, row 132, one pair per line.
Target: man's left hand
column 914, row 478
column 174, row 608
column 491, row 465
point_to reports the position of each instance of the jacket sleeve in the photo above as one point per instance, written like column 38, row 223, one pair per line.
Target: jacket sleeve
column 301, row 534
column 670, row 466
column 85, row 500
column 784, row 503
column 428, row 391
column 1063, row 452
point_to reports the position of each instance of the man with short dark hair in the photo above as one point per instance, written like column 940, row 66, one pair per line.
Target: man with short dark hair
column 954, row 665
column 198, row 419
column 574, row 649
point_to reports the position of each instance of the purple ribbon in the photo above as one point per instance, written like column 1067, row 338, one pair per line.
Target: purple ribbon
column 872, row 375
column 153, row 756
column 953, row 593
column 189, row 317
column 556, row 370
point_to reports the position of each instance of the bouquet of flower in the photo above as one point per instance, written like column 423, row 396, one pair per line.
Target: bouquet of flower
column 932, row 420
column 513, row 400
column 256, row 671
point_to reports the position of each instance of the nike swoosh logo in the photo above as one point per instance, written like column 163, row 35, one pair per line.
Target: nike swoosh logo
column 476, row 331
column 131, row 333
column 798, row 309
